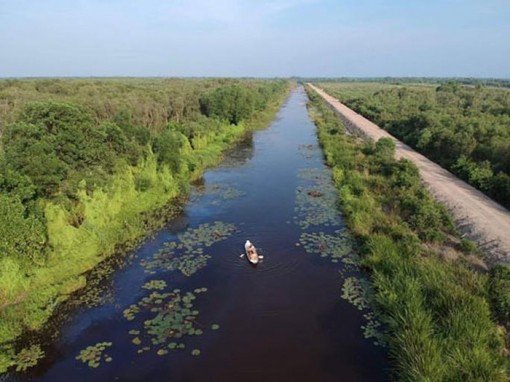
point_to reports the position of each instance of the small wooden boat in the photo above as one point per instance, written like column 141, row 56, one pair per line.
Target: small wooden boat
column 251, row 252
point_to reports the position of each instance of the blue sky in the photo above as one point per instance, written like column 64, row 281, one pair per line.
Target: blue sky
column 262, row 38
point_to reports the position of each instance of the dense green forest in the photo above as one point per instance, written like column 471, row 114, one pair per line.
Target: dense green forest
column 442, row 318
column 465, row 129
column 88, row 165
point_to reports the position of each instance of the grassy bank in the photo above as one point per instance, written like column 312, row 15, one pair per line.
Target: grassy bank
column 434, row 306
column 68, row 225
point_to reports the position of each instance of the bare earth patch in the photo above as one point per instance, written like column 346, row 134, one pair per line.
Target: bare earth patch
column 478, row 217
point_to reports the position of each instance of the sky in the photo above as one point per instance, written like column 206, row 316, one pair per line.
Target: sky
column 255, row 38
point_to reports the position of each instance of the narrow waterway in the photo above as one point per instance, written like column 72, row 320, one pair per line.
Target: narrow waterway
column 283, row 320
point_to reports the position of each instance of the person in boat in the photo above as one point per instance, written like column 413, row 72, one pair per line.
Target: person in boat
column 251, row 251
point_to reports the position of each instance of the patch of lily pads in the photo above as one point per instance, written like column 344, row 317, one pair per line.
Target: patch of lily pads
column 309, row 151
column 358, row 291
column 205, row 234
column 28, row 357
column 223, row 192
column 166, row 318
column 94, row 355
column 316, row 199
column 186, row 254
column 155, row 284
column 336, row 247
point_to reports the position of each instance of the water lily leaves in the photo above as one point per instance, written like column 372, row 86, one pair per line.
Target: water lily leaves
column 130, row 312
column 168, row 318
column 222, row 191
column 215, row 326
column 187, row 254
column 28, row 357
column 358, row 291
column 155, row 284
column 195, row 352
column 309, row 151
column 230, row 193
column 337, row 246
column 206, row 235
column 93, row 355
column 316, row 199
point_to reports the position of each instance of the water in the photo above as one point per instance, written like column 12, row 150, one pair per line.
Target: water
column 283, row 320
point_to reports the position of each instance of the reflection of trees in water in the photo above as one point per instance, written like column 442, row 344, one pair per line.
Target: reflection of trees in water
column 240, row 154
column 233, row 158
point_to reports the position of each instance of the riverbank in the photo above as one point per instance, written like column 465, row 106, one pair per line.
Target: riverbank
column 117, row 216
column 434, row 306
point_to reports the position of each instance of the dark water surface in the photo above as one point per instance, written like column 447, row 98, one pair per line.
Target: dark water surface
column 283, row 320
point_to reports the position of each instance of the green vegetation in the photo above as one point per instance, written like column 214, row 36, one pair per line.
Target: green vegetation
column 493, row 82
column 187, row 253
column 315, row 199
column 435, row 310
column 166, row 316
column 465, row 129
column 93, row 355
column 88, row 167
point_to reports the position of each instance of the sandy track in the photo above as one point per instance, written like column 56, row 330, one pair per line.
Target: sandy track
column 477, row 216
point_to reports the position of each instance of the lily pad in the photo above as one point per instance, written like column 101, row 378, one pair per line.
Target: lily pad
column 316, row 199
column 337, row 246
column 92, row 355
column 28, row 357
column 187, row 253
column 168, row 318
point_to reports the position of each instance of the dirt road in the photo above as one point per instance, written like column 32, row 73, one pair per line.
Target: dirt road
column 477, row 216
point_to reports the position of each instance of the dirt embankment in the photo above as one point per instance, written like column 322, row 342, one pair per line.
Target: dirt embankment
column 477, row 216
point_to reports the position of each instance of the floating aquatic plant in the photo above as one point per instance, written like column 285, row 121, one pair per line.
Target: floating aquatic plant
column 155, row 284
column 373, row 329
column 230, row 193
column 316, row 199
column 205, row 235
column 186, row 253
column 222, row 191
column 336, row 247
column 168, row 317
column 93, row 355
column 187, row 264
column 309, row 151
column 358, row 291
column 28, row 357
